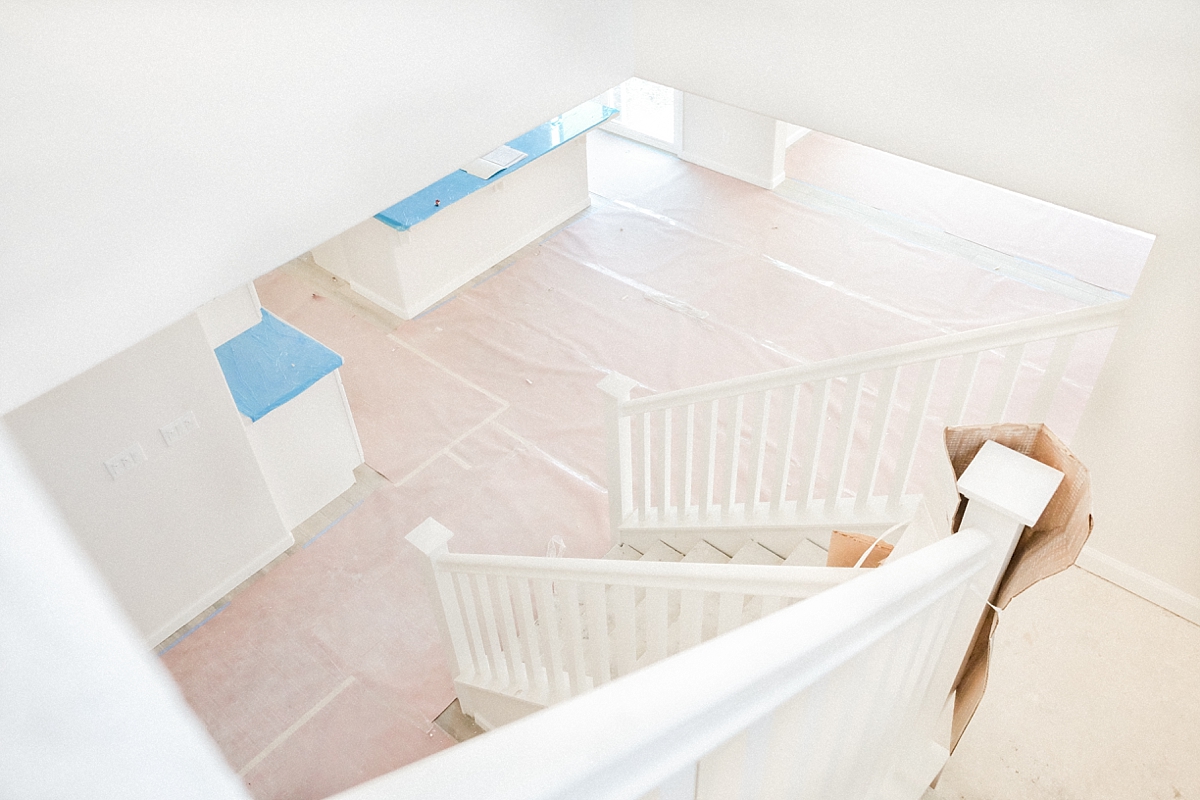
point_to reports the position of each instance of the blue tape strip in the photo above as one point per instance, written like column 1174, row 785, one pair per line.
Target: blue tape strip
column 271, row 363
column 421, row 206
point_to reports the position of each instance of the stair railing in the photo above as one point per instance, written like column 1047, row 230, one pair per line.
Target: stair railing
column 835, row 696
column 548, row 629
column 827, row 443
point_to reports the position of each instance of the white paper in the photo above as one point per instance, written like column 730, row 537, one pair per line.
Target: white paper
column 502, row 157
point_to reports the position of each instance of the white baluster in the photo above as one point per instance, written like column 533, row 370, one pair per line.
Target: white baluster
column 710, row 462
column 841, row 458
column 664, row 503
column 495, row 652
column 962, row 388
column 568, row 593
column 620, row 457
column 734, row 451
column 543, row 595
column 1004, row 386
column 779, row 496
column 758, row 449
column 1051, row 378
column 811, row 455
column 598, row 635
column 908, row 447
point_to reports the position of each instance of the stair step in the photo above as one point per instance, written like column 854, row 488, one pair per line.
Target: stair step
column 622, row 552
column 806, row 554
column 754, row 553
column 705, row 553
column 661, row 551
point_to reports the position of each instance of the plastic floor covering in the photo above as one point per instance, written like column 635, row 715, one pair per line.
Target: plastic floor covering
column 484, row 413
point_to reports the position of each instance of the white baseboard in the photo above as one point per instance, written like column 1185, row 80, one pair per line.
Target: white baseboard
column 189, row 613
column 1140, row 583
column 732, row 172
column 465, row 276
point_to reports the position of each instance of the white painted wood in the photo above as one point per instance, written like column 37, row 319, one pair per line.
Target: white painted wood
column 664, row 505
column 548, row 625
column 688, row 460
column 596, row 611
column 735, row 448
column 1010, row 482
column 576, row 656
column 495, row 653
column 883, row 415
column 996, row 336
column 617, row 435
column 710, row 461
column 232, row 313
column 783, row 469
column 685, row 704
column 758, row 450
column 1005, row 383
column 483, row 668
column 410, row 271
column 308, row 449
column 647, row 480
column 967, row 369
column 1051, row 378
column 812, row 444
column 919, row 405
column 847, row 420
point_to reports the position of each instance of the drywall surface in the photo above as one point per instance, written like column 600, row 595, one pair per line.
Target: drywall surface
column 85, row 711
column 175, row 532
column 231, row 314
column 154, row 158
column 1088, row 106
column 738, row 143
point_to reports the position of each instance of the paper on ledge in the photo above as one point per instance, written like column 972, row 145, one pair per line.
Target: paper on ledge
column 502, row 157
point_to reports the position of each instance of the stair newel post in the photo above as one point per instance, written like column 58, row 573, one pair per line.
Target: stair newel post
column 618, row 435
column 431, row 538
column 1005, row 492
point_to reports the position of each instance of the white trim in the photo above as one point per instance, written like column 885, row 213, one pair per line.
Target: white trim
column 741, row 175
column 614, row 127
column 1142, row 584
column 175, row 623
column 796, row 135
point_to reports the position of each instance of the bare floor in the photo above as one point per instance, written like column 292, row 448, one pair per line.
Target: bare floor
column 327, row 670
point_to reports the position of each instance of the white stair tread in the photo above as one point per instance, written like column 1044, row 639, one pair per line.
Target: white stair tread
column 705, row 553
column 661, row 551
column 754, row 553
column 806, row 554
column 622, row 552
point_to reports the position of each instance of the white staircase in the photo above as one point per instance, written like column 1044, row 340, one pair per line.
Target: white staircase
column 711, row 653
column 836, row 696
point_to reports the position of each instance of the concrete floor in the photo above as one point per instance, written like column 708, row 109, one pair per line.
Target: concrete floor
column 1093, row 693
column 483, row 413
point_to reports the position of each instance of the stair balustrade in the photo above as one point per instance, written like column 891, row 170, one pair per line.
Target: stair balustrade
column 825, row 444
column 838, row 695
column 540, row 630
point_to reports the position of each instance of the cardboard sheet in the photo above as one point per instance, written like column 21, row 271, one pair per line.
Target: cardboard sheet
column 1045, row 549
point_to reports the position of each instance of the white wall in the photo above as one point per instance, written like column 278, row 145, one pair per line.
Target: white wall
column 154, row 156
column 176, row 532
column 732, row 141
column 1091, row 106
column 85, row 711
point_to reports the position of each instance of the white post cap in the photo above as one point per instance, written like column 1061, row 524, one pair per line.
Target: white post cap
column 1010, row 483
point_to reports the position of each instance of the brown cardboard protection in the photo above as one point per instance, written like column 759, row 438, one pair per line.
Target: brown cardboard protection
column 1045, row 549
column 845, row 549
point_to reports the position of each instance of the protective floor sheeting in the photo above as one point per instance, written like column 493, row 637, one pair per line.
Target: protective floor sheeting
column 1091, row 249
column 484, row 414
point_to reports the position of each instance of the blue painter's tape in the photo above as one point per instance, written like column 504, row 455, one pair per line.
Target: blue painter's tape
column 271, row 363
column 458, row 184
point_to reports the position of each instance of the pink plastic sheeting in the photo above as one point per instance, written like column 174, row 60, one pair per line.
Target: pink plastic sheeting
column 484, row 414
column 1091, row 249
